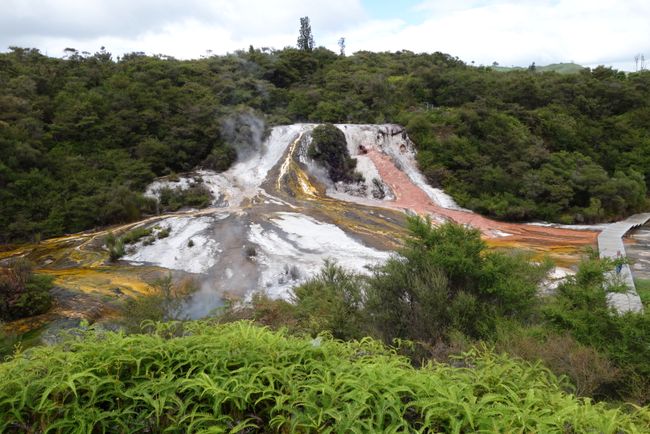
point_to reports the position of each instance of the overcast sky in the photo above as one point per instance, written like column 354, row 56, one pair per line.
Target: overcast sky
column 511, row 32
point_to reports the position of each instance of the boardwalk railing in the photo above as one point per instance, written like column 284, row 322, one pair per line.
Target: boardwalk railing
column 610, row 242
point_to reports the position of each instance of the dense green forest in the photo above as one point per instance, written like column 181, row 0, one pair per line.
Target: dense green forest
column 80, row 137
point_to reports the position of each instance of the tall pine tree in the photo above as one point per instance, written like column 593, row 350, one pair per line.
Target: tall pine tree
column 306, row 39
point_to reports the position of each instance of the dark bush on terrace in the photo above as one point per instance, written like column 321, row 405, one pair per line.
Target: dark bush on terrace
column 196, row 196
column 22, row 292
column 329, row 147
column 220, row 159
column 196, row 377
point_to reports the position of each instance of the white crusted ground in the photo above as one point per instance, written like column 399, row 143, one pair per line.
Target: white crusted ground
column 296, row 240
column 174, row 252
column 290, row 246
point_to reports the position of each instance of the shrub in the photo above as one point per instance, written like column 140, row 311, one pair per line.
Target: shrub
column 164, row 232
column 220, row 159
column 262, row 310
column 590, row 372
column 331, row 301
column 445, row 279
column 110, row 240
column 329, row 147
column 241, row 378
column 117, row 246
column 580, row 308
column 36, row 299
column 173, row 199
column 133, row 236
column 22, row 292
column 164, row 302
column 117, row 250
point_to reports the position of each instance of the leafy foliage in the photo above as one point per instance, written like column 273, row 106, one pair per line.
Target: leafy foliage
column 331, row 301
column 135, row 235
column 581, row 309
column 234, row 377
column 446, row 279
column 195, row 196
column 591, row 373
column 164, row 302
column 329, row 147
column 536, row 158
column 22, row 292
column 81, row 137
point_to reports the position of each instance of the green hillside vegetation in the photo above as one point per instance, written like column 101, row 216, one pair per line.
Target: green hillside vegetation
column 197, row 377
column 560, row 68
column 81, row 137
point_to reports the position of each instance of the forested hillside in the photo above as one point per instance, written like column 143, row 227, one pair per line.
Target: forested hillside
column 81, row 137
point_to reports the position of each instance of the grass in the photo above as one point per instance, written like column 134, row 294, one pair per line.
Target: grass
column 133, row 236
column 117, row 246
column 197, row 377
column 643, row 289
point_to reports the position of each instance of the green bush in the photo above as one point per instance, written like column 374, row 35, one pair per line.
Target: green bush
column 591, row 373
column 117, row 245
column 165, row 301
column 37, row 298
column 173, row 199
column 23, row 293
column 116, row 250
column 262, row 310
column 446, row 279
column 133, row 236
column 581, row 309
column 164, row 232
column 331, row 301
column 329, row 147
column 237, row 377
column 220, row 159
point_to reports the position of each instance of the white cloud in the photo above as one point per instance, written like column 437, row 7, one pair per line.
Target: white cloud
column 520, row 32
column 511, row 32
column 181, row 28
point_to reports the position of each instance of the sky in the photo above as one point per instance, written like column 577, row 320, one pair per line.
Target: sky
column 510, row 32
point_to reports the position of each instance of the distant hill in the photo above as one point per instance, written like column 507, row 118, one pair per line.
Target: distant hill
column 562, row 68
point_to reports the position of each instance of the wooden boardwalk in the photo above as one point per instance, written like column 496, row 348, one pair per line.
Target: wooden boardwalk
column 610, row 242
